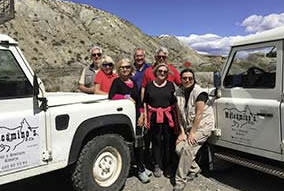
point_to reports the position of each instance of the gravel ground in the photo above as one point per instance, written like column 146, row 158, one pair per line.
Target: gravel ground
column 236, row 179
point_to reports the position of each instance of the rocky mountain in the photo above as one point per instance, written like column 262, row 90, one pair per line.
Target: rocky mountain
column 56, row 36
column 183, row 52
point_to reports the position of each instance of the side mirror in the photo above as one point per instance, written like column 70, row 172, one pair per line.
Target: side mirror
column 217, row 79
column 36, row 89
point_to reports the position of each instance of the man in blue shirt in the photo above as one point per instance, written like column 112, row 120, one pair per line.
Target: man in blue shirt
column 141, row 65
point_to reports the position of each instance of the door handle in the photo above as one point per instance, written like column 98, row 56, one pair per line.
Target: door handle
column 265, row 114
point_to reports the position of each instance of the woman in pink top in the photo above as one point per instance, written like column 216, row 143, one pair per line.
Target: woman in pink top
column 105, row 76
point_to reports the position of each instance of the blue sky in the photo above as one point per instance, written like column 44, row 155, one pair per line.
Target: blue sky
column 206, row 25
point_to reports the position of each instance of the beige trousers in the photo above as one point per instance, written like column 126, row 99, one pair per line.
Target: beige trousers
column 187, row 154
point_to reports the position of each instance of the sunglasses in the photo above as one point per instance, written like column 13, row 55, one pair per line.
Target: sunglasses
column 107, row 65
column 187, row 78
column 97, row 54
column 125, row 67
column 163, row 71
column 163, row 57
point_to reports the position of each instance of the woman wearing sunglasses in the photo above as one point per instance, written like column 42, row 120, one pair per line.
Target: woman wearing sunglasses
column 105, row 76
column 196, row 119
column 124, row 87
column 160, row 100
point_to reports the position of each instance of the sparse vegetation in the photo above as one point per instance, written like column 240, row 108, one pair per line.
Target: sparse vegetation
column 62, row 40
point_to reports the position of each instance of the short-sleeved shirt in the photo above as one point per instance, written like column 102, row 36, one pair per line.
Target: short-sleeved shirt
column 159, row 96
column 173, row 77
column 104, row 80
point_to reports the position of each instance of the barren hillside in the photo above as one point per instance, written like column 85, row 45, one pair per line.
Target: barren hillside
column 56, row 36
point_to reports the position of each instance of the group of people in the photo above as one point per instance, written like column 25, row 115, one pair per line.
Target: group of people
column 171, row 106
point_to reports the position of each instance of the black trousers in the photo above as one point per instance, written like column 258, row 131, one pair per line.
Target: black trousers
column 163, row 145
column 139, row 155
column 139, row 150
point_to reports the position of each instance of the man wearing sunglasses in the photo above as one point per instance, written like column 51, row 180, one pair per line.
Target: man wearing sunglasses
column 86, row 82
column 161, row 56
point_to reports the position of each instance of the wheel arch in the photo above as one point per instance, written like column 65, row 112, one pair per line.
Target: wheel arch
column 108, row 124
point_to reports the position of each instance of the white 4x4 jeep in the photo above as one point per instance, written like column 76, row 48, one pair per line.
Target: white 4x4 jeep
column 41, row 132
column 250, row 104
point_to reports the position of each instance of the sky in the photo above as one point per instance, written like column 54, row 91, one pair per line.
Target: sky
column 208, row 26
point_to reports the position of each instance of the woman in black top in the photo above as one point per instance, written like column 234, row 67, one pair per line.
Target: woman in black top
column 160, row 100
column 124, row 87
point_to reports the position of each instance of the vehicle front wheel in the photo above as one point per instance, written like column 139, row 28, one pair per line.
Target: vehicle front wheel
column 103, row 164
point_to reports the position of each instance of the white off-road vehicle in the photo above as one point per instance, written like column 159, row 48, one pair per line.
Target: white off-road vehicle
column 42, row 132
column 249, row 104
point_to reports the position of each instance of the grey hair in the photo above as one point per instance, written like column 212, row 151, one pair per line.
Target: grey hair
column 138, row 48
column 96, row 47
column 162, row 49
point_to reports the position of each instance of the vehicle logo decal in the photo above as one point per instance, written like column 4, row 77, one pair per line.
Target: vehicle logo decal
column 11, row 138
column 243, row 123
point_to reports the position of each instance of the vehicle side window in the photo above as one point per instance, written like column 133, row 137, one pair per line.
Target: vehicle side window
column 252, row 68
column 13, row 82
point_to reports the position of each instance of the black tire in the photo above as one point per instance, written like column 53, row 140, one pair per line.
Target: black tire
column 103, row 164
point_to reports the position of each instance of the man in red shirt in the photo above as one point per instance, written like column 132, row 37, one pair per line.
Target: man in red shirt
column 161, row 56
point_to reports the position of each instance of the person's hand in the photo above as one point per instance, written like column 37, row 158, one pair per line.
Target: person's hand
column 192, row 138
column 132, row 100
column 140, row 121
column 181, row 138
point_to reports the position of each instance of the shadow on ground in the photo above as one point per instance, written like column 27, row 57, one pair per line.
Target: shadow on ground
column 245, row 179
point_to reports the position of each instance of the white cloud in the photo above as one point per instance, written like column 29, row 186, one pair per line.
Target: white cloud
column 258, row 23
column 218, row 45
column 208, row 43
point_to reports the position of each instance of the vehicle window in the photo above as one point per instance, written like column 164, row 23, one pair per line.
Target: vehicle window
column 253, row 68
column 13, row 82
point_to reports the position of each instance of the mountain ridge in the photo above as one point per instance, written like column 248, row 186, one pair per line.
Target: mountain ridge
column 55, row 37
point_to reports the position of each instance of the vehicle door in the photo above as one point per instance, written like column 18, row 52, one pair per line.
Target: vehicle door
column 22, row 124
column 248, row 113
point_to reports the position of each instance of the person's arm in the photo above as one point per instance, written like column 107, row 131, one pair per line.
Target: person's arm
column 199, row 108
column 85, row 89
column 97, row 90
column 142, row 93
column 143, row 84
column 144, row 104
